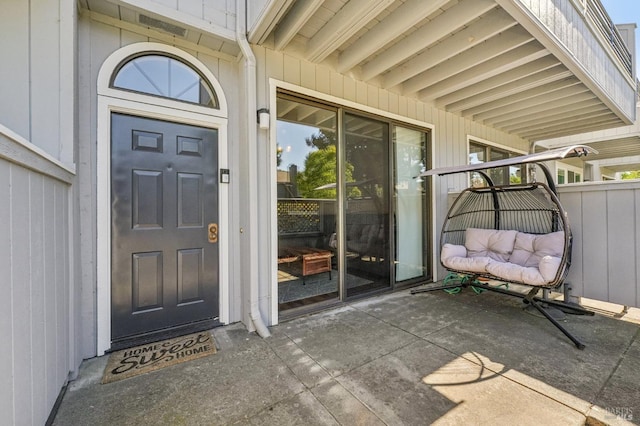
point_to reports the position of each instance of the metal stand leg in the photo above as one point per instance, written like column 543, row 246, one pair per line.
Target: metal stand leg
column 443, row 287
column 565, row 307
column 536, row 305
column 529, row 298
column 464, row 282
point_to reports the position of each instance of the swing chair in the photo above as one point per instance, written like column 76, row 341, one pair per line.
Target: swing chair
column 515, row 233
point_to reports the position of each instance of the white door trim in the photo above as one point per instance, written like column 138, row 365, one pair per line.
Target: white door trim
column 113, row 100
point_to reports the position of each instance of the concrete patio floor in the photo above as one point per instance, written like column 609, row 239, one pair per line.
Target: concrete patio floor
column 395, row 359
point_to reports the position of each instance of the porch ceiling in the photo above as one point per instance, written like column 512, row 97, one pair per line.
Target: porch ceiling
column 468, row 57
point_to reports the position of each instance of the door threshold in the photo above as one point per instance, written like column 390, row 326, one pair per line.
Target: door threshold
column 166, row 333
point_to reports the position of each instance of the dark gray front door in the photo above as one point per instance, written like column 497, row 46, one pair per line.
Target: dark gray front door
column 164, row 200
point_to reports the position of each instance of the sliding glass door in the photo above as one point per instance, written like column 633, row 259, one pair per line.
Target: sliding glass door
column 353, row 219
column 411, row 213
column 307, row 203
column 366, row 219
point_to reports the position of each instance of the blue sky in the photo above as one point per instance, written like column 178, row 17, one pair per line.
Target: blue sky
column 625, row 12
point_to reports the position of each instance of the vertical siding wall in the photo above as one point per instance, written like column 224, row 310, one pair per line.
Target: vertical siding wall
column 605, row 222
column 35, row 284
column 37, row 73
column 449, row 135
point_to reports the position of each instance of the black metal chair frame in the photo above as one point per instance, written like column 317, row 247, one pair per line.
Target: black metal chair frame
column 532, row 208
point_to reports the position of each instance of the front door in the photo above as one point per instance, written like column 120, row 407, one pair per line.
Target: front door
column 164, row 251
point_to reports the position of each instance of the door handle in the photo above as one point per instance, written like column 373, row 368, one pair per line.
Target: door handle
column 212, row 231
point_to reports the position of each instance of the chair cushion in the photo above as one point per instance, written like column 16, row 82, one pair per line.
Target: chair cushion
column 495, row 244
column 469, row 264
column 452, row 250
column 529, row 249
column 515, row 273
column 548, row 267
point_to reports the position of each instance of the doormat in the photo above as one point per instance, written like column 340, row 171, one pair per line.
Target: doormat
column 154, row 356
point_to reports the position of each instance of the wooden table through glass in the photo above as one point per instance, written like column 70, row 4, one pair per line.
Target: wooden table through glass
column 314, row 261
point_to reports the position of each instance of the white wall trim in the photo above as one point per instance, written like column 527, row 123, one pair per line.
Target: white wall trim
column 110, row 100
column 349, row 104
column 273, row 171
column 471, row 138
column 29, row 155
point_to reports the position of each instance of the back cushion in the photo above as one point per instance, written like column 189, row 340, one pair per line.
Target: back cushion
column 354, row 232
column 529, row 248
column 496, row 244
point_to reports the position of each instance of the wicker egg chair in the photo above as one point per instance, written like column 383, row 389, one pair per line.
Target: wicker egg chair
column 511, row 234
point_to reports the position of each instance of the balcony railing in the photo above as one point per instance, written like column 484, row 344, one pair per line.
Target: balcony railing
column 596, row 13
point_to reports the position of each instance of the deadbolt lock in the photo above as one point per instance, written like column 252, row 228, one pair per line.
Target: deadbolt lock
column 213, row 232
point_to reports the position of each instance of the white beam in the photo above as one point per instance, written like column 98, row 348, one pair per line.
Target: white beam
column 349, row 20
column 510, row 89
column 483, row 35
column 285, row 107
column 404, row 17
column 497, row 80
column 540, row 119
column 296, row 18
column 572, row 126
column 590, row 137
column 305, row 111
column 537, row 106
column 526, row 99
column 474, row 57
column 542, row 108
column 450, row 20
column 567, row 117
column 530, row 52
column 267, row 20
column 617, row 162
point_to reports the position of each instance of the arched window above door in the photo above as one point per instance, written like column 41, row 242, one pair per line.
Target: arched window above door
column 164, row 76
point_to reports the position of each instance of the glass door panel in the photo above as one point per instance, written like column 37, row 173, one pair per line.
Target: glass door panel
column 366, row 177
column 410, row 153
column 307, row 207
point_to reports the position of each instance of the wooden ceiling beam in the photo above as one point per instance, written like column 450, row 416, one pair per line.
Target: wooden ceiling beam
column 295, row 19
column 507, row 90
column 353, row 16
column 495, row 81
column 528, row 98
column 501, row 44
column 450, row 20
column 578, row 126
column 558, row 115
column 404, row 17
column 540, row 106
column 483, row 34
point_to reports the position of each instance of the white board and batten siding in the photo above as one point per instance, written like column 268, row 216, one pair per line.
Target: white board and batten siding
column 38, row 300
column 38, row 73
column 605, row 222
column 36, row 291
